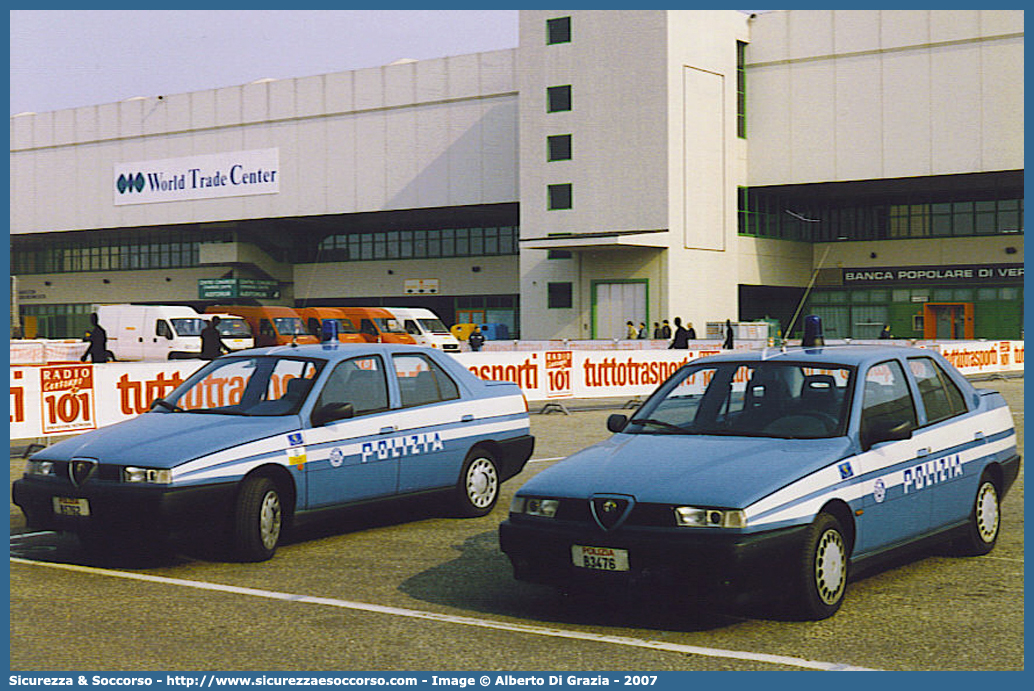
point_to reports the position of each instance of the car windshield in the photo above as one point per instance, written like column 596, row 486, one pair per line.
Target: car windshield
column 390, row 326
column 290, row 326
column 434, row 325
column 233, row 327
column 753, row 399
column 344, row 326
column 245, row 386
column 188, row 327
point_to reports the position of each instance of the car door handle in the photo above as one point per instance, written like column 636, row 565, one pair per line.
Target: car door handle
column 922, row 452
column 388, row 430
column 979, row 435
column 467, row 418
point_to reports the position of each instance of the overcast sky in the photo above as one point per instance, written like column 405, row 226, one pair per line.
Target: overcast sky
column 70, row 58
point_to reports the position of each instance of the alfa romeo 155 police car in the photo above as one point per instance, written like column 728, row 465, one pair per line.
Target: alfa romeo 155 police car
column 774, row 469
column 255, row 439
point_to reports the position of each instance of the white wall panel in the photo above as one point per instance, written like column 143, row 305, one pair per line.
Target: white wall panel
column 202, row 109
column 177, row 112
column 370, row 157
column 255, row 102
column 956, row 130
column 341, row 164
column 813, row 119
column 399, row 84
column 856, row 30
column 64, row 127
column 431, row 80
column 43, row 130
column 906, row 114
column 1002, row 105
column 430, row 155
column 369, row 88
column 340, row 92
column 282, row 99
column 228, row 106
column 400, row 165
column 904, row 28
column 768, row 125
column 464, row 153
column 499, row 151
column 704, row 160
column 859, row 119
column 309, row 96
column 811, row 34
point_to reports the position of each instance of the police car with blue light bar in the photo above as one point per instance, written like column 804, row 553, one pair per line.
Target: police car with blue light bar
column 778, row 471
column 259, row 439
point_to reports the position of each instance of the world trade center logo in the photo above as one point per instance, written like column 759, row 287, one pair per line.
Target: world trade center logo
column 130, row 182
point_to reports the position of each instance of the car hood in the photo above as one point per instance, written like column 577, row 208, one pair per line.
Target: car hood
column 165, row 440
column 716, row 471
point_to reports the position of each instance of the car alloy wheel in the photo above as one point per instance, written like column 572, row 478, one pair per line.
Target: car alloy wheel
column 830, row 566
column 987, row 514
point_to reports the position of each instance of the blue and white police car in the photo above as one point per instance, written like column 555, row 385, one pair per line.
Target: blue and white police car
column 257, row 439
column 774, row 469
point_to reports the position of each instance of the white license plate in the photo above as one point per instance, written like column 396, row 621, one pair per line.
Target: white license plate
column 599, row 558
column 69, row 506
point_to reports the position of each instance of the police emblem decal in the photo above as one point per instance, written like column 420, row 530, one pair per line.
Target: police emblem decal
column 337, row 458
column 879, row 491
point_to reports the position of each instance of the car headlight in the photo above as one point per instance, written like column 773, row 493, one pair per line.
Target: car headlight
column 695, row 517
column 535, row 506
column 154, row 476
column 39, row 468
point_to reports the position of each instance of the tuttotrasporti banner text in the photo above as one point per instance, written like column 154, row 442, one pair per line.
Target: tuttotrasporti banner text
column 59, row 399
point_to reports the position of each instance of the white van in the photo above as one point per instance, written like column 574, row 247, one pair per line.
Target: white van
column 164, row 332
column 426, row 328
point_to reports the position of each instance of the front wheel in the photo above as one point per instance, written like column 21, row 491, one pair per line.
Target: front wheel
column 257, row 520
column 478, row 486
column 985, row 521
column 822, row 574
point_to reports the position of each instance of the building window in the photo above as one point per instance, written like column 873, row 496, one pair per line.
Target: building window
column 558, row 98
column 558, row 30
column 764, row 213
column 560, row 196
column 741, row 90
column 560, row 296
column 559, row 147
column 417, row 244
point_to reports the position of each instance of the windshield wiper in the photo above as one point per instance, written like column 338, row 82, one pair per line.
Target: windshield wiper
column 658, row 423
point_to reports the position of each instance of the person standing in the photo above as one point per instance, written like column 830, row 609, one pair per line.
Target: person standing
column 476, row 339
column 630, row 330
column 212, row 345
column 97, row 337
column 657, row 333
column 643, row 334
column 727, row 345
column 885, row 334
column 692, row 332
column 681, row 340
column 665, row 330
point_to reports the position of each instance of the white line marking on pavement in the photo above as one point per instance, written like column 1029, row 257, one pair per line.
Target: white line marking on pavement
column 454, row 619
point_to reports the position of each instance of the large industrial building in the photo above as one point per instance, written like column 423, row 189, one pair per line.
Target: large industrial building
column 616, row 165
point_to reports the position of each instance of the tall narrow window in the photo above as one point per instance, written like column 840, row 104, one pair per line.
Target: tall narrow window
column 560, row 196
column 558, row 30
column 558, row 147
column 558, row 98
column 741, row 90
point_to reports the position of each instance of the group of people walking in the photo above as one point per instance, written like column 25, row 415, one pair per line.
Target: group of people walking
column 680, row 338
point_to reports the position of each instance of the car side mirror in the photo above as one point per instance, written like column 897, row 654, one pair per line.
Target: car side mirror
column 331, row 412
column 616, row 422
column 886, row 431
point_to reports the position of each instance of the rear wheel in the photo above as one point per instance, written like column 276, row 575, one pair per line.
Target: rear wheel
column 478, row 486
column 985, row 521
column 258, row 520
column 822, row 570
